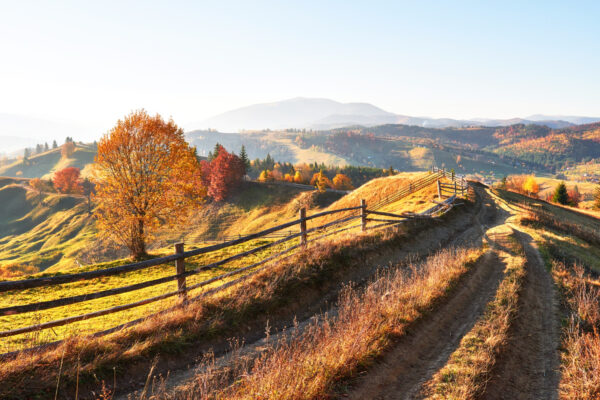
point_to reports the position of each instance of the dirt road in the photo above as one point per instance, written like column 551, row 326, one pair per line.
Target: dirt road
column 526, row 368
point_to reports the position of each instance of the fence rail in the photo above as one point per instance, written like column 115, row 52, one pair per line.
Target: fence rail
column 360, row 212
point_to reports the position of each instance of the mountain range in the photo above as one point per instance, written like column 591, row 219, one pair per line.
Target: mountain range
column 315, row 113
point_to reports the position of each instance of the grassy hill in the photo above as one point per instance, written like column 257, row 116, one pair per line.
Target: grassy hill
column 43, row 165
column 55, row 233
column 46, row 232
column 586, row 189
column 52, row 233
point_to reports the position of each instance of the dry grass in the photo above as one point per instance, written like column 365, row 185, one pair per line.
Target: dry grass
column 548, row 219
column 309, row 364
column 580, row 366
column 466, row 372
column 282, row 288
column 14, row 270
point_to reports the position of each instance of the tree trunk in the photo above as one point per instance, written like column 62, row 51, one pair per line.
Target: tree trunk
column 138, row 247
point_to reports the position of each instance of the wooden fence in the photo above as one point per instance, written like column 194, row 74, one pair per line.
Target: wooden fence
column 360, row 212
column 458, row 186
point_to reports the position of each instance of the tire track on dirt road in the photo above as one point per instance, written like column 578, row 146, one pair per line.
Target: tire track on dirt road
column 528, row 366
column 427, row 346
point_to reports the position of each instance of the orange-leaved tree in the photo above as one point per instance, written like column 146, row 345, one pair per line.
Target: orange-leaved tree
column 67, row 149
column 146, row 177
column 67, row 180
column 37, row 185
column 298, row 178
column 320, row 181
column 342, row 182
column 530, row 186
column 266, row 176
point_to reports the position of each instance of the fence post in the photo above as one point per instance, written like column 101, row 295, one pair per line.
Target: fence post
column 303, row 238
column 439, row 189
column 180, row 269
column 363, row 214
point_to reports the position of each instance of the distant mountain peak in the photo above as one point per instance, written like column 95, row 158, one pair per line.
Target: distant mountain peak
column 322, row 113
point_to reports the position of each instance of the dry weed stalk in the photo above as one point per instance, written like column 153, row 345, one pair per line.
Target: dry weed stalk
column 580, row 369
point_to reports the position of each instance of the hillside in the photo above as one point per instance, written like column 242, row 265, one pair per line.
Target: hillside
column 43, row 233
column 489, row 271
column 55, row 233
column 43, row 165
column 488, row 152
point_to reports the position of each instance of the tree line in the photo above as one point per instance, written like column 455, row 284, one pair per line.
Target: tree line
column 527, row 185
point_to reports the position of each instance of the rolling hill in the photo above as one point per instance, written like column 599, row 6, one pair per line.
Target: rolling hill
column 43, row 165
column 54, row 232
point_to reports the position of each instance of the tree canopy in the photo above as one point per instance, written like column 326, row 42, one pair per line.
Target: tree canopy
column 67, row 180
column 146, row 177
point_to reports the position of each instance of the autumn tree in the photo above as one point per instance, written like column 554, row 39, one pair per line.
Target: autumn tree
column 146, row 178
column 298, row 178
column 67, row 149
column 266, row 176
column 320, row 181
column 68, row 180
column 38, row 185
column 205, row 172
column 597, row 198
column 560, row 195
column 342, row 182
column 227, row 171
column 530, row 186
column 574, row 196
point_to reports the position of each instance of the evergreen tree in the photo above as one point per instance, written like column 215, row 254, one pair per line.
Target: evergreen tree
column 245, row 159
column 503, row 183
column 560, row 195
column 46, row 148
column 215, row 153
column 269, row 162
column 54, row 144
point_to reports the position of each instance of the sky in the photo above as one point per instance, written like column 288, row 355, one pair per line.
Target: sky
column 90, row 63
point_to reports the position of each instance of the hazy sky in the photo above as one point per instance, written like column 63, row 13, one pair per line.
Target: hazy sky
column 92, row 62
